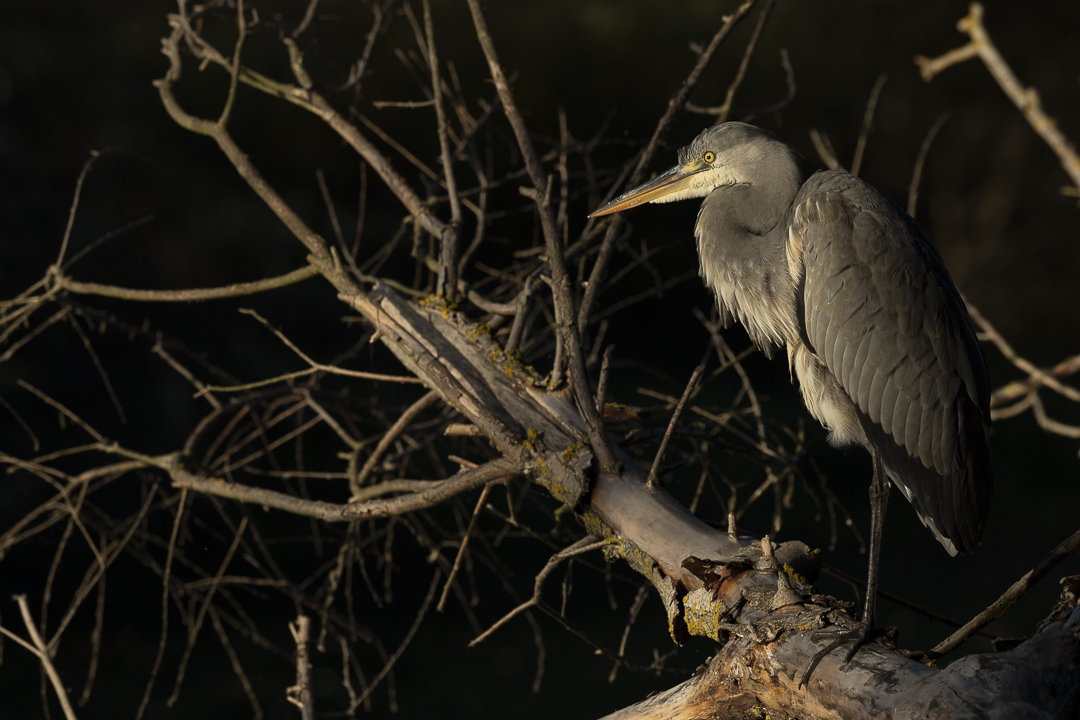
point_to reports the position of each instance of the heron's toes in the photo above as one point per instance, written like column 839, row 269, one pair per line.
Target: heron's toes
column 857, row 638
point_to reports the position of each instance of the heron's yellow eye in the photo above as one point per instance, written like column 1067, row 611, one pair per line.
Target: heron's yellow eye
column 709, row 156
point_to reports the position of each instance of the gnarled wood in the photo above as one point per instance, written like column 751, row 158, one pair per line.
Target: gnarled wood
column 1037, row 679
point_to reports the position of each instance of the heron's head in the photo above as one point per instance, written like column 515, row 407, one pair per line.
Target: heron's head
column 730, row 154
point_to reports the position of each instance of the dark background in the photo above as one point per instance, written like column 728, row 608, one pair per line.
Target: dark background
column 76, row 77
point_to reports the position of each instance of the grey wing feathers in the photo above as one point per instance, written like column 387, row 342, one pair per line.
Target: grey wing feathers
column 880, row 311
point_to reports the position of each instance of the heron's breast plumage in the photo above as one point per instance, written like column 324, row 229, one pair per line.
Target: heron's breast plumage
column 747, row 275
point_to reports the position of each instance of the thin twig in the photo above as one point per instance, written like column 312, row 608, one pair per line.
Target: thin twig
column 328, row 200
column 315, row 367
column 159, row 350
column 824, row 149
column 309, row 15
column 237, row 666
column 1011, row 596
column 59, row 406
column 601, row 386
column 522, row 312
column 448, row 256
column 461, row 547
column 165, row 589
column 193, row 630
column 867, row 123
column 395, row 430
column 404, row 643
column 87, row 166
column 651, row 481
column 234, row 74
column 920, row 160
column 635, row 608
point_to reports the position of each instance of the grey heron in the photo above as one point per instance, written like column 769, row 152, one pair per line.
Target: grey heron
column 875, row 331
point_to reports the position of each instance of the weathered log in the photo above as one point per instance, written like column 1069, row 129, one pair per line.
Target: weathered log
column 1040, row 678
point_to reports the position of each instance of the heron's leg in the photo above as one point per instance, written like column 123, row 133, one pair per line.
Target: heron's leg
column 879, row 499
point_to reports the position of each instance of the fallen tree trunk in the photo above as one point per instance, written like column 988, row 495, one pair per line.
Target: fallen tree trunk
column 1040, row 678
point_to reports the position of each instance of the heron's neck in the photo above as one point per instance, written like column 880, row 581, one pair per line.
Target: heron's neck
column 761, row 202
column 741, row 235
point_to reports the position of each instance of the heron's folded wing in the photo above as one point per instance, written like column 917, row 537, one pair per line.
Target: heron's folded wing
column 882, row 314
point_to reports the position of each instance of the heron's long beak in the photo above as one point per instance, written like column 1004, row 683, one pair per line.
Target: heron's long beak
column 672, row 181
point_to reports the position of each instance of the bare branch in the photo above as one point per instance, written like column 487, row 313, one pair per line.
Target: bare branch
column 868, row 121
column 300, row 694
column 560, row 281
column 396, row 429
column 190, row 295
column 1011, row 596
column 448, row 257
column 41, row 651
column 1025, row 99
column 651, row 481
column 584, row 545
column 330, row 512
column 916, row 173
column 725, row 109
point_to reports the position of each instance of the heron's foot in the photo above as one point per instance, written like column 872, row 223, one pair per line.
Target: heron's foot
column 857, row 638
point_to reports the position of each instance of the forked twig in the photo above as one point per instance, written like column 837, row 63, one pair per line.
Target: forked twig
column 725, row 109
column 1025, row 99
column 583, row 545
column 39, row 649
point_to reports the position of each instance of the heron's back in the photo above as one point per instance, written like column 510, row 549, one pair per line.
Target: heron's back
column 879, row 314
